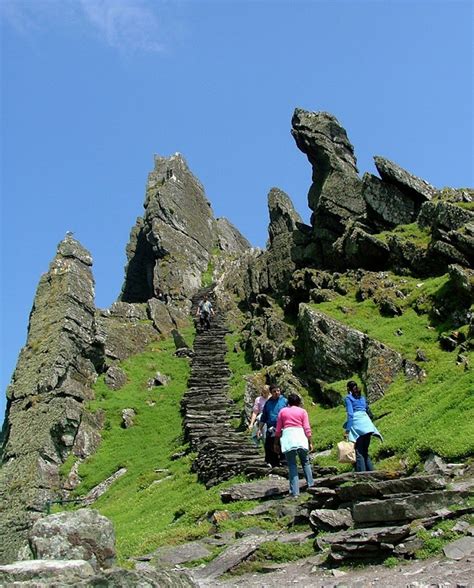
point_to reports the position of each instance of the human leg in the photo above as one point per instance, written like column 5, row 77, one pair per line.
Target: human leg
column 293, row 472
column 271, row 456
column 306, row 465
column 363, row 463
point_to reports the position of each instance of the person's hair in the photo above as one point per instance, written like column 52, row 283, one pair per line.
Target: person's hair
column 266, row 389
column 274, row 387
column 351, row 385
column 294, row 399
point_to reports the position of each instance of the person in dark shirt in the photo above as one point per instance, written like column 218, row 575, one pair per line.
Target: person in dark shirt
column 269, row 418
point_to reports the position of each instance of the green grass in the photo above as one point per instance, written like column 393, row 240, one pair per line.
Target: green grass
column 435, row 415
column 207, row 277
column 435, row 539
column 412, row 232
column 147, row 514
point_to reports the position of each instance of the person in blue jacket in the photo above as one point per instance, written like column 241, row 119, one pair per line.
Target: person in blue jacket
column 359, row 427
column 269, row 418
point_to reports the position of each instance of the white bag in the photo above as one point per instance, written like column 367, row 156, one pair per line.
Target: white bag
column 346, row 452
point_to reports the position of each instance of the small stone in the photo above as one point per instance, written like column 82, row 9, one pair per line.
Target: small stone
column 115, row 378
column 461, row 527
column 128, row 417
column 421, row 356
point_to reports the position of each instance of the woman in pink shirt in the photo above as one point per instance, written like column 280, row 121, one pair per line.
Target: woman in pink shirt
column 294, row 433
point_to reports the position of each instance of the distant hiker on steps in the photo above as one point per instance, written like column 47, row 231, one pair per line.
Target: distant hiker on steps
column 269, row 418
column 204, row 312
column 359, row 427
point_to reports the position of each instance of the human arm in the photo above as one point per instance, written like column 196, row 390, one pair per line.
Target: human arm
column 279, row 425
column 262, row 422
column 253, row 418
column 350, row 414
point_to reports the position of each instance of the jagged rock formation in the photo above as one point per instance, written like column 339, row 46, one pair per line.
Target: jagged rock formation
column 350, row 212
column 171, row 246
column 336, row 193
column 358, row 233
column 70, row 342
column 53, row 378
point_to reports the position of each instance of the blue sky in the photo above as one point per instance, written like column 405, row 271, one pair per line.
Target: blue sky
column 92, row 89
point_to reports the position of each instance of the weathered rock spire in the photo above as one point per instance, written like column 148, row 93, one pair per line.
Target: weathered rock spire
column 52, row 379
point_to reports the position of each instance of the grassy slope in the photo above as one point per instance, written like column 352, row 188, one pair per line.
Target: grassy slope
column 437, row 414
column 146, row 514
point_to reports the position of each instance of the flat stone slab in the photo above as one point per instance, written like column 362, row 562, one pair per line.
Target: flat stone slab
column 180, row 554
column 44, row 569
column 331, row 520
column 379, row 489
column 373, row 535
column 337, row 480
column 409, row 508
column 266, row 488
column 232, row 557
column 460, row 548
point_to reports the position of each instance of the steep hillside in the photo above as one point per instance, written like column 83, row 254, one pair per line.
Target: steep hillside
column 378, row 288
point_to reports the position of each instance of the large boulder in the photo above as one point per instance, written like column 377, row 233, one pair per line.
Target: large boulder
column 444, row 215
column 83, row 534
column 387, row 205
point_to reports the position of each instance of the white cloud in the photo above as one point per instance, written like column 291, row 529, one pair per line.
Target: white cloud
column 124, row 24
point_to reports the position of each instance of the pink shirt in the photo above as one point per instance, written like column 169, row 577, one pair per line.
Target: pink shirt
column 259, row 404
column 293, row 416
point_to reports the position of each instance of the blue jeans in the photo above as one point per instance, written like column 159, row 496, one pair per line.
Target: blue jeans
column 293, row 469
column 363, row 463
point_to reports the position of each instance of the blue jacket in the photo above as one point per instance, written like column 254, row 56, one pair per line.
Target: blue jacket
column 353, row 405
column 271, row 410
column 358, row 421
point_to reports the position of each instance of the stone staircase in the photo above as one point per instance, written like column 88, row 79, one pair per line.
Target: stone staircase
column 222, row 452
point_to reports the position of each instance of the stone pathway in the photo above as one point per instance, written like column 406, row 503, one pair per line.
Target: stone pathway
column 222, row 452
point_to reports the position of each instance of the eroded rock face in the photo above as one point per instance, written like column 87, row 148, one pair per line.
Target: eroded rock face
column 229, row 239
column 53, row 378
column 83, row 534
column 288, row 237
column 336, row 193
column 334, row 351
column 170, row 247
column 416, row 188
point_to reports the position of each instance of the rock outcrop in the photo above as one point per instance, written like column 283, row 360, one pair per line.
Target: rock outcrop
column 84, row 534
column 53, row 378
column 171, row 245
column 335, row 195
column 333, row 351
